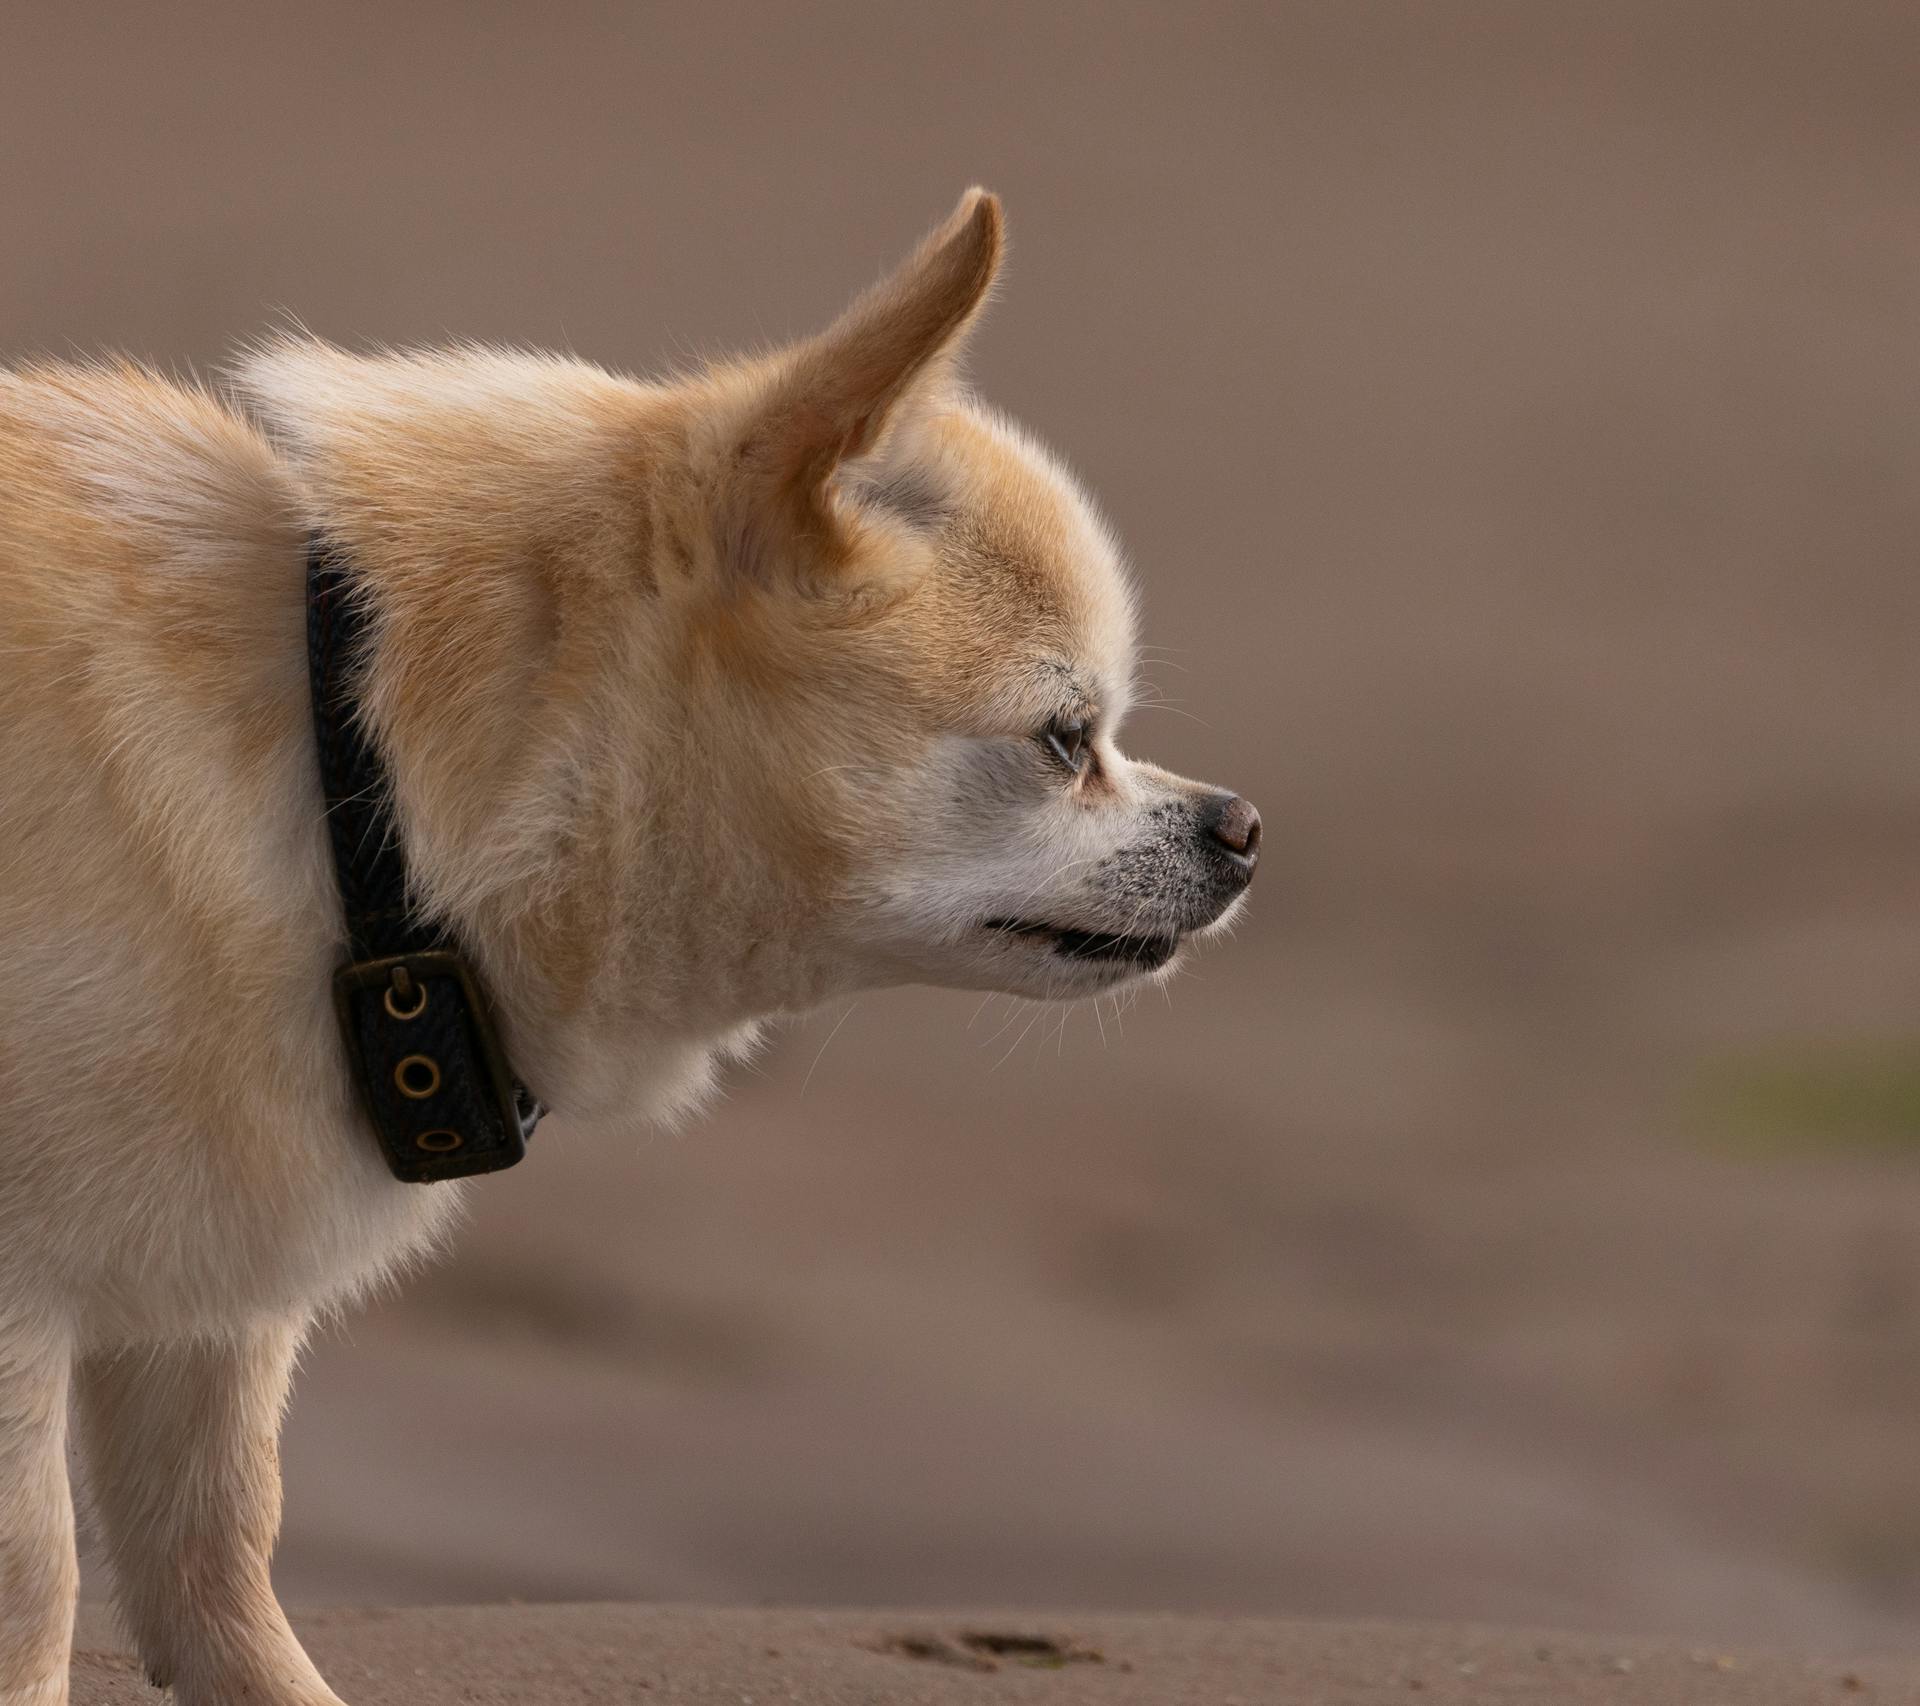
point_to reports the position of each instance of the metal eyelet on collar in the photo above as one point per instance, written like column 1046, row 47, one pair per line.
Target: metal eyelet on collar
column 417, row 1077
column 402, row 983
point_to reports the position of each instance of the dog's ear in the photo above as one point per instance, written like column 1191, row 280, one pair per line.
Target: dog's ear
column 831, row 397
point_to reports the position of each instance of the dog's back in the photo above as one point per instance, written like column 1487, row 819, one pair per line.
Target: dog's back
column 147, row 658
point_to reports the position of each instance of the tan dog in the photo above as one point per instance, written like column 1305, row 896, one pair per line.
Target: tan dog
column 702, row 700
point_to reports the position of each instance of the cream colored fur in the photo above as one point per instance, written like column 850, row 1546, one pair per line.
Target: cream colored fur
column 704, row 700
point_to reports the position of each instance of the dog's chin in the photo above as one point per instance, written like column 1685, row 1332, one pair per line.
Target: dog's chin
column 1064, row 963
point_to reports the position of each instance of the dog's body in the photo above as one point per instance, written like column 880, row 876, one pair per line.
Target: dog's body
column 702, row 702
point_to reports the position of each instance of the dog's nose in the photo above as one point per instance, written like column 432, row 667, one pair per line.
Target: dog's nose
column 1234, row 823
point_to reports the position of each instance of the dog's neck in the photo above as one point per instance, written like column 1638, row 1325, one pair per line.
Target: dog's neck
column 570, row 838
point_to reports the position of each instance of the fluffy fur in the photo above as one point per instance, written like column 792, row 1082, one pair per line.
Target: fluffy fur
column 703, row 701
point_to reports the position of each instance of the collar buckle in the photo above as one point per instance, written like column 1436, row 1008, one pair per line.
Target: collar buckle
column 433, row 1076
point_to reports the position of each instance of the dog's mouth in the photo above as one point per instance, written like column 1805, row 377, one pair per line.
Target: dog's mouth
column 1136, row 953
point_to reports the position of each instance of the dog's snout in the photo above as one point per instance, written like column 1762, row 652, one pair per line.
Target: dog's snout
column 1234, row 825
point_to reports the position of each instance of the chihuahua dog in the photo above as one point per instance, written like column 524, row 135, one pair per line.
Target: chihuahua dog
column 701, row 701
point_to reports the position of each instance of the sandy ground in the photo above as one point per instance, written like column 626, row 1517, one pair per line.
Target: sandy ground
column 1510, row 410
column 578, row 1655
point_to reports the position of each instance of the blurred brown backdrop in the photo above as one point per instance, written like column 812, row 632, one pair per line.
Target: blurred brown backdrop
column 1511, row 410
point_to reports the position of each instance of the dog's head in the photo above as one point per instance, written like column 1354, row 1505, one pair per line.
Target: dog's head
column 710, row 698
column 944, row 633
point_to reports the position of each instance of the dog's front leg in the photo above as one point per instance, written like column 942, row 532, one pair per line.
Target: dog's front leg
column 182, row 1444
column 38, row 1576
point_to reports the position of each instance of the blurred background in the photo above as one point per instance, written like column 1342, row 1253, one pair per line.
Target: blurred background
column 1510, row 411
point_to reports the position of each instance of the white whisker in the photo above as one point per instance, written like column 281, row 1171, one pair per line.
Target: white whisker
column 988, row 1042
column 1017, row 1041
column 815, row 1067
column 1149, row 705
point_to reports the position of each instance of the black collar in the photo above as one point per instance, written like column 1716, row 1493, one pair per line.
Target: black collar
column 419, row 1032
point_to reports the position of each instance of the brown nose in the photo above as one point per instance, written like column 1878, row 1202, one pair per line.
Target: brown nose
column 1236, row 826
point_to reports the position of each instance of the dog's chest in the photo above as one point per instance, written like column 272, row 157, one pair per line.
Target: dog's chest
column 214, row 1256
column 194, row 1160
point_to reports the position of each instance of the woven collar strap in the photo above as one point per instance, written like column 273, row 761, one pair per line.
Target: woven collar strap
column 418, row 1028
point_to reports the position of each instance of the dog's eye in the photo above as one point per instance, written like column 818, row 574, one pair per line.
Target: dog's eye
column 1066, row 739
